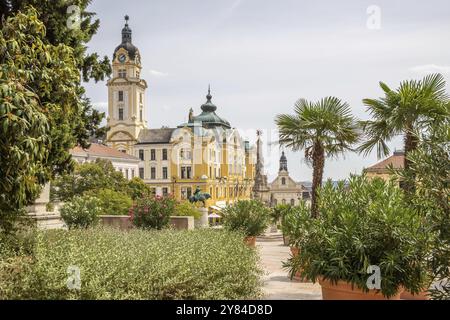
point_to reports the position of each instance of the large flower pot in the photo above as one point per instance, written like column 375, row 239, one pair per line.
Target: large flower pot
column 250, row 241
column 298, row 275
column 406, row 295
column 344, row 291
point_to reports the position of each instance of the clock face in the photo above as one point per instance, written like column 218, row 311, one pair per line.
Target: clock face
column 122, row 58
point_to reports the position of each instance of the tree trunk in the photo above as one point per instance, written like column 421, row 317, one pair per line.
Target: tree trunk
column 411, row 144
column 318, row 167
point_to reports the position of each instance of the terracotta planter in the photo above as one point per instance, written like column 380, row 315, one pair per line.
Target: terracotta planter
column 344, row 291
column 298, row 277
column 406, row 295
column 250, row 241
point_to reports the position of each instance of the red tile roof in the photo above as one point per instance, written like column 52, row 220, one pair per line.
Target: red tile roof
column 101, row 151
column 397, row 161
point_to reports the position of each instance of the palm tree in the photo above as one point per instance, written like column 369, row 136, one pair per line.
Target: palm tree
column 322, row 129
column 405, row 111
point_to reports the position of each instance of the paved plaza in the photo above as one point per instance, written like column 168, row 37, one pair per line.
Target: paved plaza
column 277, row 285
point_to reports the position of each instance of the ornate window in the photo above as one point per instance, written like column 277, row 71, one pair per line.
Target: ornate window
column 122, row 73
column 120, row 114
column 283, row 181
column 120, row 96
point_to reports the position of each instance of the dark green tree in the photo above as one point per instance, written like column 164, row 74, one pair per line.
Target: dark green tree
column 74, row 29
column 39, row 107
column 89, row 177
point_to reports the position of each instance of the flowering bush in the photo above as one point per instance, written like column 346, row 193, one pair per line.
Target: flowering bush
column 81, row 212
column 134, row 265
column 152, row 213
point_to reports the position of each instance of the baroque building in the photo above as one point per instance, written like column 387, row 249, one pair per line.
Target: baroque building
column 283, row 190
column 206, row 152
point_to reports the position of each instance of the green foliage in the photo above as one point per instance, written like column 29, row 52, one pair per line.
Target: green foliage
column 430, row 170
column 321, row 129
column 295, row 223
column 187, row 209
column 39, row 107
column 135, row 265
column 411, row 107
column 81, row 212
column 153, row 212
column 137, row 188
column 250, row 217
column 112, row 203
column 367, row 223
column 88, row 177
column 53, row 13
column 277, row 214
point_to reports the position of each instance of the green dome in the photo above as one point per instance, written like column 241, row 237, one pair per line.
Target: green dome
column 208, row 117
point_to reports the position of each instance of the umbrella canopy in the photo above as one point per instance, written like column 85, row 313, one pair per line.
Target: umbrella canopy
column 214, row 216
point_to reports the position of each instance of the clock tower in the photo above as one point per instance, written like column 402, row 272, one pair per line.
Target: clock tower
column 126, row 95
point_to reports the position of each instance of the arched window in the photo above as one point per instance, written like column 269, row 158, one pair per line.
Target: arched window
column 275, row 202
column 283, row 181
column 284, row 202
column 292, row 202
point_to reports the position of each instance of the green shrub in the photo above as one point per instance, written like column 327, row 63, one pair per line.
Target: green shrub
column 187, row 209
column 134, row 265
column 153, row 212
column 295, row 223
column 138, row 189
column 112, row 203
column 367, row 223
column 81, row 212
column 250, row 217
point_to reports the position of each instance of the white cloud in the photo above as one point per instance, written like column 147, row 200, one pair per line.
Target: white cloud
column 101, row 106
column 158, row 73
column 431, row 68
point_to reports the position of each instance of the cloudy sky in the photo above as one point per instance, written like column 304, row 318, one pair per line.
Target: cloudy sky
column 262, row 56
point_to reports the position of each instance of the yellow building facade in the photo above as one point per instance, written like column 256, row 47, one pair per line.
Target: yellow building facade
column 205, row 152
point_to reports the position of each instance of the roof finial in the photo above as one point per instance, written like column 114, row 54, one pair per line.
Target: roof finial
column 127, row 18
column 209, row 96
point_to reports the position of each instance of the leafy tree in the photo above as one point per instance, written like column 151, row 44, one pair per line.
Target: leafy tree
column 112, row 203
column 36, row 92
column 406, row 110
column 322, row 129
column 137, row 188
column 89, row 177
column 187, row 209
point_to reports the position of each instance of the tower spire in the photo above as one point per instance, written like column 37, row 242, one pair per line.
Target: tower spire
column 126, row 31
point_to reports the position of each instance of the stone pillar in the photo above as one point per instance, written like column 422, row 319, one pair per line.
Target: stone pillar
column 38, row 211
column 203, row 222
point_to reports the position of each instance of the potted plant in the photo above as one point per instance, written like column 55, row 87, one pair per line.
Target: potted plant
column 248, row 216
column 295, row 221
column 363, row 226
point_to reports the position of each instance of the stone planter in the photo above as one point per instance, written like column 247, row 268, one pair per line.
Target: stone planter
column 250, row 241
column 344, row 291
column 120, row 222
column 182, row 223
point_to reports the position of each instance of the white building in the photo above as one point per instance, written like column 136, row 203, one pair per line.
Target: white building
column 123, row 162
